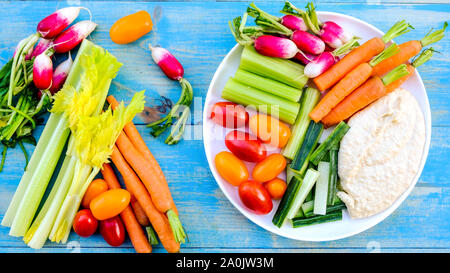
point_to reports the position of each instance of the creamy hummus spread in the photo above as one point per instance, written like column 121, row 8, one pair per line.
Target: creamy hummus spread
column 381, row 153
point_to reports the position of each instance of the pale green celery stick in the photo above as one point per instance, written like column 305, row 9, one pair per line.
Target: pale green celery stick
column 42, row 144
column 34, row 178
column 39, row 231
column 84, row 174
column 268, row 85
column 308, row 101
column 285, row 71
column 41, row 177
column 248, row 96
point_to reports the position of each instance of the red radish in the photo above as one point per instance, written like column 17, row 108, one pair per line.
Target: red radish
column 273, row 46
column 72, row 36
column 167, row 62
column 42, row 72
column 52, row 25
column 293, row 22
column 41, row 47
column 308, row 42
column 341, row 34
column 305, row 58
column 330, row 38
column 325, row 60
column 60, row 75
column 330, row 32
column 319, row 65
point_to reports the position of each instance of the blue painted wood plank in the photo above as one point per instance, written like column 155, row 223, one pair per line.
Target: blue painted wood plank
column 200, row 39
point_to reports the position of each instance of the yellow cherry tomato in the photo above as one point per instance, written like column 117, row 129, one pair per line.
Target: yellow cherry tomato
column 110, row 203
column 276, row 188
column 269, row 168
column 131, row 27
column 231, row 168
column 270, row 130
column 97, row 187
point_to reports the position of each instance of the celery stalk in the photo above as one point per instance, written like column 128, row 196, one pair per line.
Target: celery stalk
column 39, row 181
column 40, row 230
column 73, row 79
column 96, row 70
column 285, row 71
column 268, row 85
column 309, row 99
column 42, row 144
column 264, row 102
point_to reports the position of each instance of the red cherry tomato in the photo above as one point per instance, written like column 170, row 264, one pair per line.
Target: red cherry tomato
column 113, row 231
column 245, row 146
column 229, row 114
column 84, row 223
column 255, row 197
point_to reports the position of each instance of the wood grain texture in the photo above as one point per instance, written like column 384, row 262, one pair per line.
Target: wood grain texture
column 197, row 33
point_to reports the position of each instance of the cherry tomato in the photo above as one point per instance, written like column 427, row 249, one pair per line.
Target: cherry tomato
column 113, row 231
column 231, row 168
column 229, row 114
column 255, row 197
column 131, row 27
column 269, row 168
column 276, row 188
column 110, row 203
column 270, row 130
column 97, row 187
column 84, row 223
column 245, row 146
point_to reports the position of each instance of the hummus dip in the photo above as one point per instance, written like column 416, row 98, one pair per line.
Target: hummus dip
column 381, row 153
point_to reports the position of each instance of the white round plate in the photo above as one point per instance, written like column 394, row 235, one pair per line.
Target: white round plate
column 214, row 143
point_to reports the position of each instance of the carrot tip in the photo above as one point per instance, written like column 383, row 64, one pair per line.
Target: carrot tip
column 177, row 228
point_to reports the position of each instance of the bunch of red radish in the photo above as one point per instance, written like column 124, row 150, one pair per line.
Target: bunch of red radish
column 54, row 38
column 297, row 35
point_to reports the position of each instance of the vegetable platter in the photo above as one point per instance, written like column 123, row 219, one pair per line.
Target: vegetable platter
column 214, row 136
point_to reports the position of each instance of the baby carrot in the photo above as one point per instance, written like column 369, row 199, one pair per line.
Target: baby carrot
column 139, row 143
column 135, row 186
column 139, row 212
column 350, row 82
column 373, row 89
column 407, row 51
column 424, row 57
column 361, row 54
column 135, row 232
column 159, row 191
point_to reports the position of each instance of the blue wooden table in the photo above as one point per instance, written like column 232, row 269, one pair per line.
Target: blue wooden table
column 197, row 33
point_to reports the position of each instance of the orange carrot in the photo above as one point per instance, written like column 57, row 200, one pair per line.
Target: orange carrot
column 373, row 89
column 158, row 190
column 350, row 82
column 396, row 84
column 135, row 232
column 407, row 51
column 139, row 212
column 139, row 143
column 344, row 87
column 370, row 91
column 361, row 54
column 159, row 221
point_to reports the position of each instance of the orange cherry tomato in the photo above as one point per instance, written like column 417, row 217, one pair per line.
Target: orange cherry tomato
column 131, row 27
column 97, row 187
column 110, row 203
column 270, row 130
column 276, row 188
column 231, row 168
column 269, row 168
